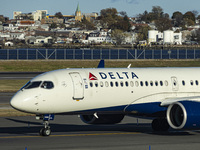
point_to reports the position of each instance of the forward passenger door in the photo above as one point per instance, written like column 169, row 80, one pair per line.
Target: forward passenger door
column 78, row 90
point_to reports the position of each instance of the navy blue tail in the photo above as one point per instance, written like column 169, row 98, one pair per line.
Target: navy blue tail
column 101, row 64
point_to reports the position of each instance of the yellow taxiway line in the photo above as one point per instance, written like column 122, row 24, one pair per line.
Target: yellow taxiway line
column 70, row 135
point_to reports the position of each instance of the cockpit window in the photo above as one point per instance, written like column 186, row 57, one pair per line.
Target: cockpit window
column 33, row 84
column 47, row 85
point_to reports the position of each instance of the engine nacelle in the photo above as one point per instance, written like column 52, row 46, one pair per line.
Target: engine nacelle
column 102, row 118
column 184, row 115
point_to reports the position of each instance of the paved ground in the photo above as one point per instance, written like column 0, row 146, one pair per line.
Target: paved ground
column 68, row 132
column 18, row 75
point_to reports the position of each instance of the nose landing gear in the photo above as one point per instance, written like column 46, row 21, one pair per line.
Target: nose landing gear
column 46, row 131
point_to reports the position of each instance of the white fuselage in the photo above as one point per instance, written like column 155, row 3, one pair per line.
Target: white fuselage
column 107, row 90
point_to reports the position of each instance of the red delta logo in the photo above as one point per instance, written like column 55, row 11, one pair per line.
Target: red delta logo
column 92, row 77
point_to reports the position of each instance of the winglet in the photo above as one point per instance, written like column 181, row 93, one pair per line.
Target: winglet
column 101, row 64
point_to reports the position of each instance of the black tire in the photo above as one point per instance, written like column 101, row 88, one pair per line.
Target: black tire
column 160, row 125
column 45, row 132
column 156, row 125
column 164, row 125
column 41, row 132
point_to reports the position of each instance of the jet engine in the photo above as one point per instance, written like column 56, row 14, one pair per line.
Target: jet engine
column 102, row 118
column 184, row 115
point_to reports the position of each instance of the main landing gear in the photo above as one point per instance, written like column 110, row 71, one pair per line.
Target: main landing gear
column 46, row 131
column 160, row 124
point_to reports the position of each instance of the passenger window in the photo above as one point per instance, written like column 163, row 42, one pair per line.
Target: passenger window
column 126, row 83
column 156, row 83
column 106, row 84
column 191, row 82
column 116, row 84
column 183, row 82
column 136, row 83
column 33, row 84
column 96, row 84
column 91, row 84
column 131, row 84
column 161, row 83
column 197, row 83
column 146, row 83
column 141, row 83
column 166, row 82
column 151, row 83
column 122, row 84
column 111, row 84
column 101, row 84
column 47, row 85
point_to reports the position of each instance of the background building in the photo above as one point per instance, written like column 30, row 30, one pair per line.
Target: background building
column 36, row 15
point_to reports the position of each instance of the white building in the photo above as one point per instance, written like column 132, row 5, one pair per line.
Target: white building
column 99, row 37
column 167, row 37
column 39, row 14
column 36, row 15
column 10, row 27
column 43, row 40
column 9, row 43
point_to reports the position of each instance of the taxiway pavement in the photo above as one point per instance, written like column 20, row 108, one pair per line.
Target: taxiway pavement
column 69, row 132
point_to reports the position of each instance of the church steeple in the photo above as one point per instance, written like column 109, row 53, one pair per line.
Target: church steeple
column 77, row 9
column 78, row 12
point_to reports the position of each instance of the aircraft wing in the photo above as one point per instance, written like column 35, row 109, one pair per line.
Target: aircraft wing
column 169, row 101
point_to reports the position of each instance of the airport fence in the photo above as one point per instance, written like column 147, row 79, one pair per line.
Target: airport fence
column 34, row 54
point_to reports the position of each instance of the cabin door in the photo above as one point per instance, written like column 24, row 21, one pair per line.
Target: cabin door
column 175, row 86
column 78, row 90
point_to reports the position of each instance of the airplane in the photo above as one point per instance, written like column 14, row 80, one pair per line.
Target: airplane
column 170, row 96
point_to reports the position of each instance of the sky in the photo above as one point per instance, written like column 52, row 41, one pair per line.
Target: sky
column 68, row 7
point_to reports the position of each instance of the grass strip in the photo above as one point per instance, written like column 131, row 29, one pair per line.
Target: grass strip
column 48, row 65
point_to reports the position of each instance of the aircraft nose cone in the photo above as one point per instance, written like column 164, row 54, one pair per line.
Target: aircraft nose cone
column 15, row 103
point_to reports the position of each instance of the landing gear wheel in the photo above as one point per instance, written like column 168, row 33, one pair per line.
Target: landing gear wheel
column 45, row 132
column 160, row 125
column 41, row 132
column 155, row 125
